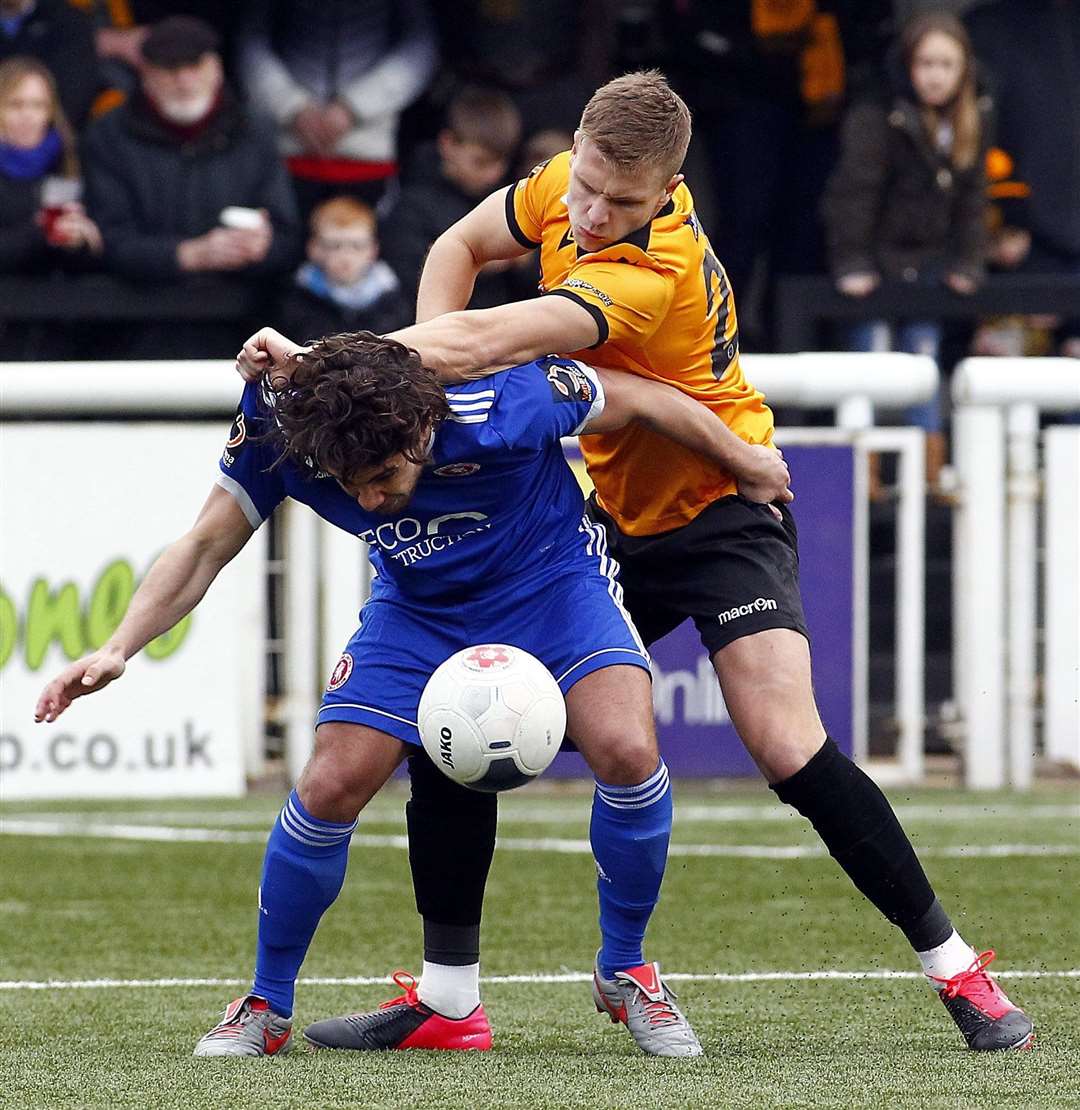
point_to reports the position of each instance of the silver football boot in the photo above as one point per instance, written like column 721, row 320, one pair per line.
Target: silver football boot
column 248, row 1028
column 639, row 999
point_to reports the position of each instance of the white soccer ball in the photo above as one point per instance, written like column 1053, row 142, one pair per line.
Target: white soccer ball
column 492, row 717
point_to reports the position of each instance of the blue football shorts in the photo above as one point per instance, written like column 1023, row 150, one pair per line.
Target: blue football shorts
column 572, row 621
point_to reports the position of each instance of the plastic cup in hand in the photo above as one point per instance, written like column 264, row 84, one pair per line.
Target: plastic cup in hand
column 242, row 219
column 57, row 193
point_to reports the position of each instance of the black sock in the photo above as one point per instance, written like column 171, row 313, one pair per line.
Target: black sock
column 858, row 826
column 457, row 945
column 451, row 842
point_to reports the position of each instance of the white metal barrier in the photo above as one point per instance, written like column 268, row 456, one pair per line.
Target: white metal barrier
column 326, row 579
column 995, row 565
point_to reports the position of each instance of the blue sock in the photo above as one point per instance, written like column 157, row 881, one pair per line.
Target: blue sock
column 303, row 870
column 630, row 829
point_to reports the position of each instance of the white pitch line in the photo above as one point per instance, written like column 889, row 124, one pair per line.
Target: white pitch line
column 539, row 978
column 173, row 834
column 521, row 811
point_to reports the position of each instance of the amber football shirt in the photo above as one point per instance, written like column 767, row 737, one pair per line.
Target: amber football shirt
column 665, row 311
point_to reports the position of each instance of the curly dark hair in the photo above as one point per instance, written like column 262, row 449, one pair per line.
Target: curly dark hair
column 353, row 401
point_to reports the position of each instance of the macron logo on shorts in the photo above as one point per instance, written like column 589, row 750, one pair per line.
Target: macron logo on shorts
column 757, row 606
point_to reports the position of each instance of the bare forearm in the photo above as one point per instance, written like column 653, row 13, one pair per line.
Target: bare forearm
column 458, row 347
column 698, row 428
column 674, row 415
column 448, row 277
column 173, row 586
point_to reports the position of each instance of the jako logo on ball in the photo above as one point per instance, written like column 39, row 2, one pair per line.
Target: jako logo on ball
column 492, row 717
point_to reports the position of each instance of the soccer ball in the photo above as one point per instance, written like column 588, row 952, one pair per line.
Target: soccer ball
column 492, row 717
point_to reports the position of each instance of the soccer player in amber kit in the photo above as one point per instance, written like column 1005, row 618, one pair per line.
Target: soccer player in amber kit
column 628, row 275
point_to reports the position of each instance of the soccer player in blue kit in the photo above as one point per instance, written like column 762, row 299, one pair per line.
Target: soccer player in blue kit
column 477, row 531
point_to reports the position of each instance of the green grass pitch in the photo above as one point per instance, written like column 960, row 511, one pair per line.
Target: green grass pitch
column 85, row 896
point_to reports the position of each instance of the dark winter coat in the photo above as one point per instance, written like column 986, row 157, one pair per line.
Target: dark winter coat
column 22, row 241
column 1032, row 50
column 23, row 246
column 305, row 315
column 896, row 205
column 148, row 191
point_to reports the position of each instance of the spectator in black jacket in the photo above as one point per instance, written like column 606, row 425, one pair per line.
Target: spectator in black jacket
column 55, row 33
column 767, row 80
column 43, row 227
column 40, row 227
column 907, row 200
column 471, row 157
column 1032, row 51
column 344, row 285
column 162, row 169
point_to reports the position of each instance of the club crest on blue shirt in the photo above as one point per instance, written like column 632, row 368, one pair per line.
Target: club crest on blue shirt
column 568, row 383
column 237, row 435
column 340, row 674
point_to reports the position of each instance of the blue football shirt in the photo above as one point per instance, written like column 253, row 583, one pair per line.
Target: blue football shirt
column 497, row 500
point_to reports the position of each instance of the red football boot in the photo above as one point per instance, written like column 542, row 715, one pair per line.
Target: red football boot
column 988, row 1020
column 403, row 1022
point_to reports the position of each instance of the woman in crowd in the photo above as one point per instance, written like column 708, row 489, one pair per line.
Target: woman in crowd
column 907, row 199
column 42, row 223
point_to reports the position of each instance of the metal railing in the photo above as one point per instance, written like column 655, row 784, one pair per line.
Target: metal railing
column 995, row 568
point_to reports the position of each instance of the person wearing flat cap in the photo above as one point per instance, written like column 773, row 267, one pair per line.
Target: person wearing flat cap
column 162, row 168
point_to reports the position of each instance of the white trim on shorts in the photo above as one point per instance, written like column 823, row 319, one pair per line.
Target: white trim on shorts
column 640, row 655
column 366, row 709
column 609, row 568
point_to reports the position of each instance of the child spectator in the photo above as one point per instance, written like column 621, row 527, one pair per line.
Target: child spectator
column 907, row 199
column 42, row 224
column 471, row 157
column 343, row 286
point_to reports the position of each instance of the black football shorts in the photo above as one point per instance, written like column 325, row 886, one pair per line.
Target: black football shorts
column 734, row 570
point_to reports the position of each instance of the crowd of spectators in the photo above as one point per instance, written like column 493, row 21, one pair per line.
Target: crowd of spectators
column 311, row 150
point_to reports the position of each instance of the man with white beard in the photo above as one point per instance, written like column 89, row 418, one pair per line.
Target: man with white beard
column 162, row 170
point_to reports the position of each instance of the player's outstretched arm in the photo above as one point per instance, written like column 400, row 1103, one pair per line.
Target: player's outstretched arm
column 458, row 255
column 173, row 586
column 760, row 471
column 461, row 346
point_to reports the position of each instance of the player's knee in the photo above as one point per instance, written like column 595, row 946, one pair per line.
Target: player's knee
column 624, row 759
column 337, row 781
column 780, row 754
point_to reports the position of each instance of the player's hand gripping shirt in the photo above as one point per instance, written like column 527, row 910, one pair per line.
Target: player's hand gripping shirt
column 496, row 501
column 665, row 311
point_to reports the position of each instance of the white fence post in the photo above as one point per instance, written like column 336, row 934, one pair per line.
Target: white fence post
column 1022, row 426
column 978, row 592
column 982, row 574
column 1061, row 594
column 910, row 652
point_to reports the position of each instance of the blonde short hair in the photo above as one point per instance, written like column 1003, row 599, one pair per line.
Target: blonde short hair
column 637, row 121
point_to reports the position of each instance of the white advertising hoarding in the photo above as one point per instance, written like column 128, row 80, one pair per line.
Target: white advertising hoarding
column 85, row 509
